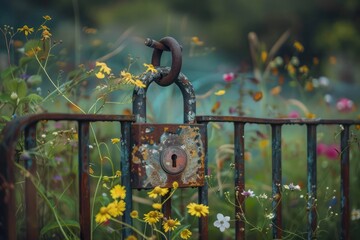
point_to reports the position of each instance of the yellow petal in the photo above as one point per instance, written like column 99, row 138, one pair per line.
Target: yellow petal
column 220, row 92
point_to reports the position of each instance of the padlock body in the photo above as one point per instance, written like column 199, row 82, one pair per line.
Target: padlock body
column 164, row 153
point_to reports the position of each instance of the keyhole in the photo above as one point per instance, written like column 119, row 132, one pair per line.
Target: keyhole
column 173, row 158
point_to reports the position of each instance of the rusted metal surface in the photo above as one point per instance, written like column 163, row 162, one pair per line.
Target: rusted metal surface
column 163, row 44
column 10, row 137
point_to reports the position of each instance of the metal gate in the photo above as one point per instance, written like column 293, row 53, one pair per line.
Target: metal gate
column 134, row 126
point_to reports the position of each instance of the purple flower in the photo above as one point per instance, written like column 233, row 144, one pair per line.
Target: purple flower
column 248, row 193
column 57, row 178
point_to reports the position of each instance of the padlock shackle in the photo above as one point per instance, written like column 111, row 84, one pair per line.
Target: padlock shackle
column 185, row 86
column 175, row 48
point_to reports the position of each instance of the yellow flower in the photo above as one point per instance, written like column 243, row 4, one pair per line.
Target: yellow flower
column 264, row 56
column 185, row 234
column 134, row 214
column 103, row 215
column 310, row 115
column 196, row 41
column 157, row 206
column 128, row 79
column 115, row 140
column 175, row 184
column 171, row 224
column 118, row 173
column 291, row 69
column 153, row 217
column 44, row 27
column 150, row 68
column 304, row 69
column 220, row 92
column 103, row 69
column 263, row 143
column 45, row 35
column 116, row 208
column 26, row 30
column 139, row 83
column 47, row 17
column 298, row 46
column 157, row 191
column 118, row 191
column 91, row 171
column 309, row 86
column 131, row 237
column 197, row 210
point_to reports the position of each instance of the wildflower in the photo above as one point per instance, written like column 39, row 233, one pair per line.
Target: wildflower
column 103, row 215
column 158, row 191
column 118, row 173
column 229, row 77
column 270, row 215
column 323, row 81
column 118, row 191
column 278, row 61
column 222, row 222
column 355, row 214
column 291, row 69
column 304, row 69
column 26, row 30
column 298, row 46
column 171, row 224
column 198, row 210
column 321, row 148
column 292, row 187
column 157, row 206
column 196, row 41
column 150, row 68
column 309, row 86
column 264, row 56
column 185, row 234
column 332, row 152
column 275, row 90
column 344, row 105
column 45, row 35
column 257, row 96
column 13, row 96
column 220, row 92
column 131, row 237
column 128, row 78
column 175, row 184
column 134, row 214
column 47, row 17
column 115, row 140
column 103, row 69
column 294, row 114
column 310, row 115
column 91, row 171
column 263, row 143
column 263, row 196
column 216, row 106
column 116, row 208
column 152, row 217
column 248, row 193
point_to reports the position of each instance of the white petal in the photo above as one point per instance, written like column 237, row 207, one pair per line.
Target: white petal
column 217, row 223
column 222, row 228
column 220, row 216
column 227, row 218
column 226, row 224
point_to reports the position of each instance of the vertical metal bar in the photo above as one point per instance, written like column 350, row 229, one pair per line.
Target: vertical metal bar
column 203, row 195
column 239, row 142
column 345, row 184
column 311, row 180
column 125, row 173
column 84, row 183
column 32, row 227
column 276, row 180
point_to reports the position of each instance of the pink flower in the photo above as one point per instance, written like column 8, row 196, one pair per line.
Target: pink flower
column 294, row 114
column 321, row 148
column 332, row 152
column 229, row 77
column 344, row 105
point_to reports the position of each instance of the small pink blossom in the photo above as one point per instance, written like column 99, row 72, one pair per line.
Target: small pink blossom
column 345, row 105
column 332, row 152
column 321, row 148
column 229, row 77
column 294, row 114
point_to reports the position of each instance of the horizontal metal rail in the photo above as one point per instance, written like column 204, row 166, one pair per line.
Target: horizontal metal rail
column 10, row 136
column 276, row 126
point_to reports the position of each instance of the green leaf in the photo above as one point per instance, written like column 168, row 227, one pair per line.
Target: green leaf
column 55, row 226
column 6, row 118
column 16, row 85
column 5, row 98
column 9, row 72
column 31, row 98
column 25, row 60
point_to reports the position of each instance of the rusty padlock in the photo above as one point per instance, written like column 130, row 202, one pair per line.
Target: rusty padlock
column 164, row 153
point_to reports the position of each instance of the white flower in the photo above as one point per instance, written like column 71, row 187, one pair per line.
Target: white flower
column 324, row 81
column 248, row 193
column 355, row 214
column 13, row 96
column 292, row 187
column 222, row 222
column 270, row 215
column 263, row 196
